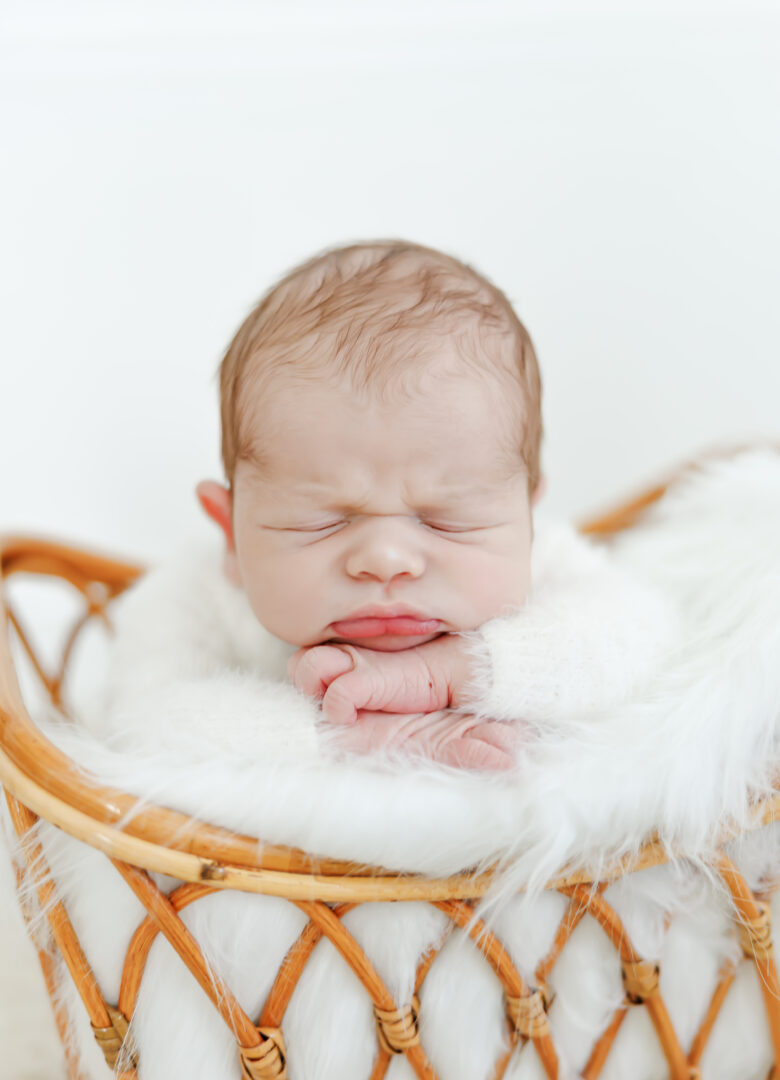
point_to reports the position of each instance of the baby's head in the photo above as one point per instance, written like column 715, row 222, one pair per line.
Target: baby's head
column 381, row 427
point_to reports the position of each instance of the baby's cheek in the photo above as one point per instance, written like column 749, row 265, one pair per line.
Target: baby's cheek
column 492, row 582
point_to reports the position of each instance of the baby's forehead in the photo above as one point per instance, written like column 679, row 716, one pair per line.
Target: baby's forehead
column 445, row 406
column 308, row 467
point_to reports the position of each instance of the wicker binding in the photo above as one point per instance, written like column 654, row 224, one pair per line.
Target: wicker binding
column 39, row 781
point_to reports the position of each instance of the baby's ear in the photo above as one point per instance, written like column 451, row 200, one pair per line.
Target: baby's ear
column 217, row 502
column 539, row 490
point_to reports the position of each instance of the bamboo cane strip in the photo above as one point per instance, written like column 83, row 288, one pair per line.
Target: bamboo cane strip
column 603, row 1045
column 726, row 978
column 747, row 910
column 624, row 516
column 331, row 926
column 629, row 510
column 125, row 845
column 610, row 922
column 381, row 1063
column 142, row 941
column 24, row 640
column 61, row 928
column 34, row 555
column 60, row 1015
column 501, row 962
column 380, row 996
column 502, row 1064
column 291, row 970
column 163, row 912
column 58, row 679
column 48, row 970
column 570, row 921
column 428, row 957
column 667, row 1036
column 155, row 857
column 462, row 914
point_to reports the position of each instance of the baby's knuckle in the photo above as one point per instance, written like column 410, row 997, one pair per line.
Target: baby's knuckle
column 352, row 652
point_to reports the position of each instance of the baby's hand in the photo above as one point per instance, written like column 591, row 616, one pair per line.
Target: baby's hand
column 422, row 679
column 444, row 736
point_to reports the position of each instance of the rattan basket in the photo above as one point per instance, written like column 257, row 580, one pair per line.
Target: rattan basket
column 39, row 781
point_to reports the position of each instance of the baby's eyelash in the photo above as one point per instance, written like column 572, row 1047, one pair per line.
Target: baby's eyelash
column 428, row 524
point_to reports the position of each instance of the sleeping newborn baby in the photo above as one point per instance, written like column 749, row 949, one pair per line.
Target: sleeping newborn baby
column 381, row 429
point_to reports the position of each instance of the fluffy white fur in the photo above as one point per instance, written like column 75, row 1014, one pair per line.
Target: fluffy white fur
column 681, row 747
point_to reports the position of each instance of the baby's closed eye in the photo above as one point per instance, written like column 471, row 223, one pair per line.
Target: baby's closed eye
column 436, row 526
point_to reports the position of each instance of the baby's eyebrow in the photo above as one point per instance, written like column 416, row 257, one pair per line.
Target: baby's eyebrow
column 428, row 505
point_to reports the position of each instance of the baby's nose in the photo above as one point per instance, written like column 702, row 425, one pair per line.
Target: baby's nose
column 385, row 550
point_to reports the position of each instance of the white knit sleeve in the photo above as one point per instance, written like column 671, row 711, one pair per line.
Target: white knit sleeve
column 586, row 637
column 176, row 678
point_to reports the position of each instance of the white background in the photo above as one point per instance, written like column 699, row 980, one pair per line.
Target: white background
column 614, row 168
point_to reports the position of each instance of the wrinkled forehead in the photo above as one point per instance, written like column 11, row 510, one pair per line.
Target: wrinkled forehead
column 452, row 436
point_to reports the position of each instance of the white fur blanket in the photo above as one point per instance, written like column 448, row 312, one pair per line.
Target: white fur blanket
column 687, row 756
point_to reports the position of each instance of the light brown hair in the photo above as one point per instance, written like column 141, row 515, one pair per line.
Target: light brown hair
column 372, row 312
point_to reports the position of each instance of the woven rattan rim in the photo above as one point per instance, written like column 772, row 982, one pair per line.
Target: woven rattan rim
column 159, row 839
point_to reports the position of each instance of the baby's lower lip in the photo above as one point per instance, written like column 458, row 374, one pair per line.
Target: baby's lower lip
column 402, row 626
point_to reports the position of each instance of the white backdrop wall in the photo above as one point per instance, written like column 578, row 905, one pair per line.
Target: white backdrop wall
column 614, row 168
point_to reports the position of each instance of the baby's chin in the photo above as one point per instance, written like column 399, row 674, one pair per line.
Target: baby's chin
column 385, row 642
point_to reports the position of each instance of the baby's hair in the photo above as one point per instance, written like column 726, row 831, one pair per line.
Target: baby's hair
column 373, row 313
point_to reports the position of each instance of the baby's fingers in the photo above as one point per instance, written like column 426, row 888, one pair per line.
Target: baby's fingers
column 385, row 682
column 475, row 753
column 313, row 668
column 364, row 689
column 373, row 731
column 507, row 737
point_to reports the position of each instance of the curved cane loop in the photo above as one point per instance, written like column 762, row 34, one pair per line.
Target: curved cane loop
column 398, row 1029
column 640, row 979
column 142, row 941
column 292, row 968
column 184, row 943
column 268, row 1061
